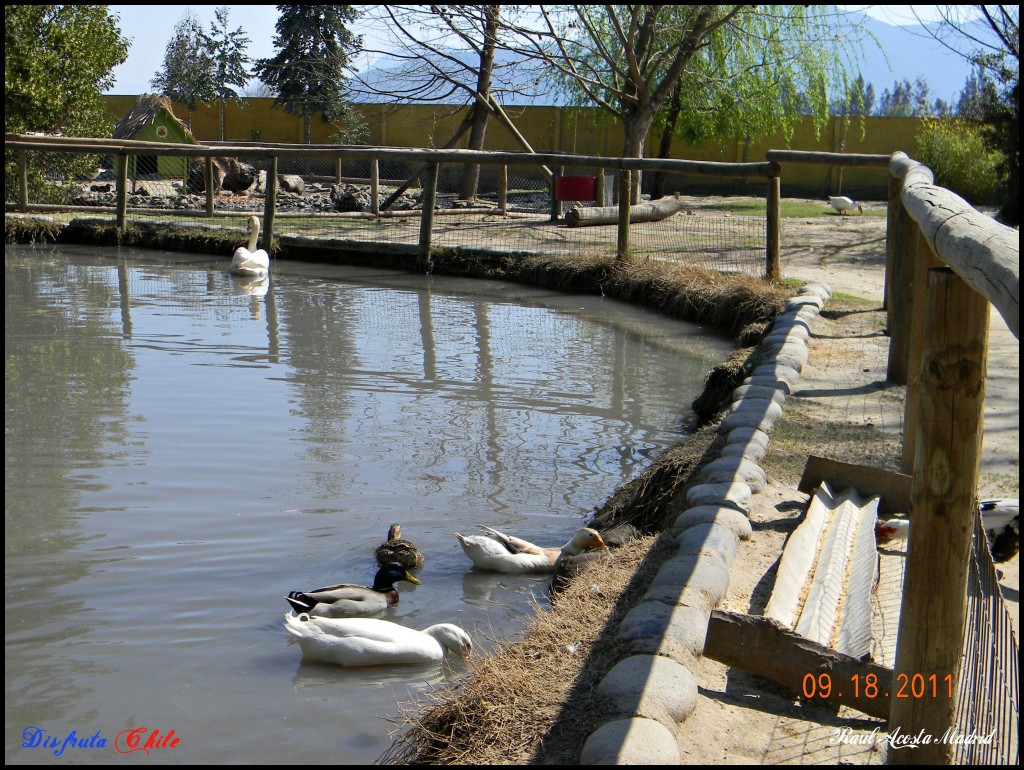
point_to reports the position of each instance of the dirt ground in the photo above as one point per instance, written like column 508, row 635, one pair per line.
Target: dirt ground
column 843, row 409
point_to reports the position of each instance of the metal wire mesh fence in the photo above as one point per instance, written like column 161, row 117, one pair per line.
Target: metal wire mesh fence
column 988, row 697
column 491, row 202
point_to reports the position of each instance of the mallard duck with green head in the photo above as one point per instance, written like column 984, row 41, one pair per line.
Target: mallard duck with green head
column 351, row 601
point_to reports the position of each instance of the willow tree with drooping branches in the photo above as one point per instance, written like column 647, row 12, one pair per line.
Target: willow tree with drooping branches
column 705, row 70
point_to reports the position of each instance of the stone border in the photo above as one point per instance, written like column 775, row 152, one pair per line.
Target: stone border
column 652, row 690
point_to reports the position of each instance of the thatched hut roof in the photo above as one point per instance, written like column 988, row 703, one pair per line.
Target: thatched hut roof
column 144, row 112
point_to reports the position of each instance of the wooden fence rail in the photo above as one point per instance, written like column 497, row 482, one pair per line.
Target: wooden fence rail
column 947, row 262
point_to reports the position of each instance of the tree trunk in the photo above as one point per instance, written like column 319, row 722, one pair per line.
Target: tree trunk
column 478, row 131
column 636, row 126
column 665, row 148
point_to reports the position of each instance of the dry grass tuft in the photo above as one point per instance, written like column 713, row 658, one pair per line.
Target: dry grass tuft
column 532, row 701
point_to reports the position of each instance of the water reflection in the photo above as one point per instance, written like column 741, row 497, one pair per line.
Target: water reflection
column 183, row 447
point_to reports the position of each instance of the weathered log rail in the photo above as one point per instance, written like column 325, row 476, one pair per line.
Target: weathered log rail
column 429, row 159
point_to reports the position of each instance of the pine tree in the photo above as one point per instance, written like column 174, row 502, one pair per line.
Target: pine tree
column 187, row 75
column 308, row 72
column 227, row 51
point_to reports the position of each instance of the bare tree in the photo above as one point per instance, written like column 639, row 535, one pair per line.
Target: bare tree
column 446, row 54
column 625, row 59
column 733, row 67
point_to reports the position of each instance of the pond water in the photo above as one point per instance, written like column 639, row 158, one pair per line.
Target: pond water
column 183, row 448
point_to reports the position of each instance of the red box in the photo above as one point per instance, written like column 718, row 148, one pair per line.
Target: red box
column 575, row 188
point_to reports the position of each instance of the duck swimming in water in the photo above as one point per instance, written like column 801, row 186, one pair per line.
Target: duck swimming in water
column 348, row 601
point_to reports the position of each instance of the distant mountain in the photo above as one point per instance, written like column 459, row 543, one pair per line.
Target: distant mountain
column 900, row 53
column 907, row 53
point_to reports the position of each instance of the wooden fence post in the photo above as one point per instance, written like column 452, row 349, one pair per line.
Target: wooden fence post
column 208, row 181
column 599, row 187
column 622, row 244
column 773, row 268
column 894, row 205
column 919, row 259
column 944, row 504
column 503, row 189
column 374, row 186
column 270, row 206
column 428, row 200
column 906, row 267
column 22, row 180
column 121, row 166
column 556, row 205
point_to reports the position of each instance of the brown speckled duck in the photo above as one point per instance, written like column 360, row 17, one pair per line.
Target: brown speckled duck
column 397, row 549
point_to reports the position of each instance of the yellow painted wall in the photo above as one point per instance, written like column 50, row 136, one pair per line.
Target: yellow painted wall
column 586, row 131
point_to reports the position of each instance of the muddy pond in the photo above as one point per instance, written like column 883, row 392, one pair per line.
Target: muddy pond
column 182, row 448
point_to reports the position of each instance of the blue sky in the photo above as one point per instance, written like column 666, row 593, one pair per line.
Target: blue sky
column 150, row 26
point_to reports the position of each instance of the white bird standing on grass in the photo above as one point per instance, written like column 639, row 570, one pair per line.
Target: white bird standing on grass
column 251, row 261
column 842, row 204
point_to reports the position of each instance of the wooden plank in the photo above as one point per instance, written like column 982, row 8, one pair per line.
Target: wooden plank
column 764, row 647
column 892, row 487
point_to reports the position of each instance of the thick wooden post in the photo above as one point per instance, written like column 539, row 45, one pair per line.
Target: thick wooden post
column 944, row 496
column 270, row 206
column 599, row 187
column 121, row 167
column 894, row 204
column 208, row 182
column 428, row 201
column 22, row 180
column 906, row 252
column 773, row 267
column 503, row 189
column 374, row 187
column 337, row 171
column 556, row 205
column 919, row 260
column 622, row 244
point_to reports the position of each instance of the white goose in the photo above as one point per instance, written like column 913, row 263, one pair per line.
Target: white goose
column 251, row 261
column 369, row 642
column 842, row 204
column 498, row 552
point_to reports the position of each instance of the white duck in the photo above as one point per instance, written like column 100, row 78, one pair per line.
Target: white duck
column 842, row 204
column 1000, row 517
column 369, row 642
column 498, row 552
column 249, row 260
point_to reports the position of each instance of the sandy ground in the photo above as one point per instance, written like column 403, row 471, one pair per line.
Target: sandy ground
column 741, row 719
